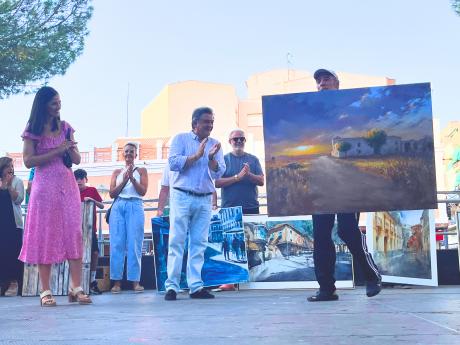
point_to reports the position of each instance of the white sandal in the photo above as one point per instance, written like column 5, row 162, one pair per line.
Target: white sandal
column 78, row 295
column 47, row 299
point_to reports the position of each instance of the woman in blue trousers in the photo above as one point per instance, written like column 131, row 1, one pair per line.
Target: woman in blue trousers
column 126, row 221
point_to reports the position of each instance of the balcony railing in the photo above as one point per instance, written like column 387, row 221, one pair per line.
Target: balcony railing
column 106, row 154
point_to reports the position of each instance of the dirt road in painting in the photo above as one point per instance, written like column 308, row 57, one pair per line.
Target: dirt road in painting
column 335, row 185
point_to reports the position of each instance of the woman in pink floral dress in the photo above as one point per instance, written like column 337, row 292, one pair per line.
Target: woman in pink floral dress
column 53, row 231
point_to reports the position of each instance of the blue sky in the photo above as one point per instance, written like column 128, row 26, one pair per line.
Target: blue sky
column 316, row 117
column 149, row 44
column 411, row 217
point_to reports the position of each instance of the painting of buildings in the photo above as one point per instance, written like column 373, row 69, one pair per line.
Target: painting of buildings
column 366, row 149
column 280, row 253
column 403, row 246
column 225, row 256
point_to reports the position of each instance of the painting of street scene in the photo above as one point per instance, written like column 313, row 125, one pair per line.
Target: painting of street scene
column 337, row 151
column 403, row 246
column 281, row 250
column 225, row 255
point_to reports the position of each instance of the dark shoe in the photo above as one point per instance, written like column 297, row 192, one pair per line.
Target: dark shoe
column 373, row 288
column 321, row 297
column 170, row 295
column 94, row 289
column 202, row 294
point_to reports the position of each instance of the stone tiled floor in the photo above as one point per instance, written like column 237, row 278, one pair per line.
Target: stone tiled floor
column 396, row 316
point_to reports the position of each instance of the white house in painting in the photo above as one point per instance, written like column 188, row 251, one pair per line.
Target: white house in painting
column 359, row 146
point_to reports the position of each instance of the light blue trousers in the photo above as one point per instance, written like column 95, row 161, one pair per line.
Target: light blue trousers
column 188, row 214
column 126, row 235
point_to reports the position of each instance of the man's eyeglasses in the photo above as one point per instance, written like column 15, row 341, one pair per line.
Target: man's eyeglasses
column 239, row 139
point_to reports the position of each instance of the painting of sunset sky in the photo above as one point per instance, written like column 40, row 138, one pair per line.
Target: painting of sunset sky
column 366, row 149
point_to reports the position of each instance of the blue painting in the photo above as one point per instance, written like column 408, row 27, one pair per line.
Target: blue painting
column 366, row 149
column 225, row 256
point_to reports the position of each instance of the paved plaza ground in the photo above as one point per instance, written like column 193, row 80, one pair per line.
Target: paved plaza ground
column 396, row 316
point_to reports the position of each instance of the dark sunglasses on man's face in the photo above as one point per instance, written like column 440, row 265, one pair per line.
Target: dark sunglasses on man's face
column 239, row 139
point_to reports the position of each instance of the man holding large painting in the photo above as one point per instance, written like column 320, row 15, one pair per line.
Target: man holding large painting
column 324, row 251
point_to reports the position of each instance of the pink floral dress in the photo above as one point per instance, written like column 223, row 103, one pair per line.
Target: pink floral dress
column 52, row 231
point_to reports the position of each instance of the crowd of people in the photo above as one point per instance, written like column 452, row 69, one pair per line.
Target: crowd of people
column 196, row 167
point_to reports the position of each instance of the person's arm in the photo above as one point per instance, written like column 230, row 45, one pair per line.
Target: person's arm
column 213, row 164
column 32, row 159
column 98, row 199
column 257, row 177
column 18, row 187
column 73, row 151
column 8, row 184
column 114, row 189
column 162, row 199
column 214, row 200
column 225, row 181
column 228, row 181
column 198, row 154
column 177, row 160
column 218, row 167
column 29, row 187
column 142, row 185
column 97, row 203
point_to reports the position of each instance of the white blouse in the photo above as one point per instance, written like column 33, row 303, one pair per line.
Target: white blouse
column 129, row 191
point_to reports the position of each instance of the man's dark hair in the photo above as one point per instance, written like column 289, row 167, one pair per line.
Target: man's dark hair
column 80, row 174
column 198, row 112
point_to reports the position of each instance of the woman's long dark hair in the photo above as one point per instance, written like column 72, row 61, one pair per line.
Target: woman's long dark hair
column 39, row 113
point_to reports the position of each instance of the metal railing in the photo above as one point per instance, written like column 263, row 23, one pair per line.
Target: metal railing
column 151, row 207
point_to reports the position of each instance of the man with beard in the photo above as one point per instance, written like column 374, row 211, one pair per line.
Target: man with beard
column 239, row 183
column 242, row 176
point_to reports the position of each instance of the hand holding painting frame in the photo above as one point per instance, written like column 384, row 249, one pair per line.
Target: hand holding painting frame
column 402, row 244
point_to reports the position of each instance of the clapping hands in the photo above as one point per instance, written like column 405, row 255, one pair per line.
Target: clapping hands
column 244, row 171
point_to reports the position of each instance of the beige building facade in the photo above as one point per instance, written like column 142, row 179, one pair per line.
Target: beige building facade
column 387, row 233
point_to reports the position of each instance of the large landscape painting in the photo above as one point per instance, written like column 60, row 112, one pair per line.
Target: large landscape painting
column 366, row 149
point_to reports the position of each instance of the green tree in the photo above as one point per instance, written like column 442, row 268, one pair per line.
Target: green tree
column 39, row 39
column 456, row 6
column 344, row 147
column 376, row 139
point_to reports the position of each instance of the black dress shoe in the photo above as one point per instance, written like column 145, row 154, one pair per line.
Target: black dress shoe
column 321, row 297
column 373, row 288
column 170, row 295
column 202, row 294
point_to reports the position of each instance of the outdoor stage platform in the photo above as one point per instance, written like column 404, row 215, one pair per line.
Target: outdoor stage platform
column 396, row 316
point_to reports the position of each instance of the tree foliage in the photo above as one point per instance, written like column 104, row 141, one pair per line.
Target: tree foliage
column 39, row 39
column 456, row 6
column 376, row 139
column 344, row 146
